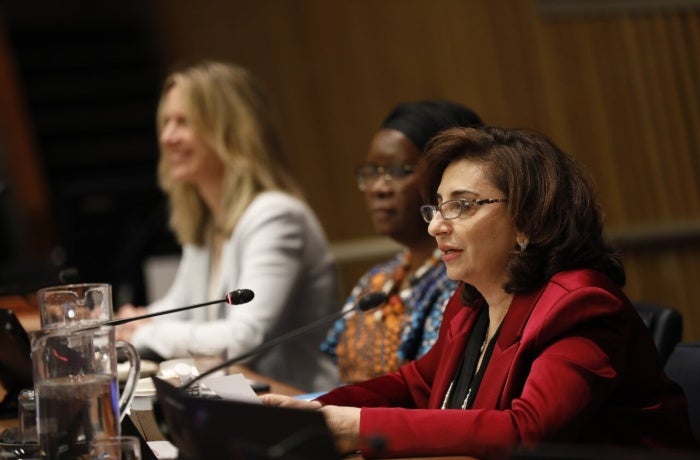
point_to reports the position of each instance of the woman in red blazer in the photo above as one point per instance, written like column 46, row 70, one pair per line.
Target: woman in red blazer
column 539, row 344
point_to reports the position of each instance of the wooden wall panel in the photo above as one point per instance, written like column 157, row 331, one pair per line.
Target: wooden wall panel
column 619, row 91
column 18, row 162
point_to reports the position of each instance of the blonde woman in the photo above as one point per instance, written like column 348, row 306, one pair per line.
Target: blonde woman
column 243, row 224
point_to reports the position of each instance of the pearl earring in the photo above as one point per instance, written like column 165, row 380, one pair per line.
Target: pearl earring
column 523, row 246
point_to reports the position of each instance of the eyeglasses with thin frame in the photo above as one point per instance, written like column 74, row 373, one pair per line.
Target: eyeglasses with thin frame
column 452, row 209
column 368, row 174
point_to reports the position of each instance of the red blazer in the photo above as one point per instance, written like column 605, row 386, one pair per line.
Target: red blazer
column 573, row 363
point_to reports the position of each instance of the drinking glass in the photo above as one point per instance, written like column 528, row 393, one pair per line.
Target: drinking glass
column 115, row 448
column 26, row 403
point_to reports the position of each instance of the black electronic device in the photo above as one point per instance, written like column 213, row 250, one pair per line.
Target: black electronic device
column 15, row 361
column 205, row 428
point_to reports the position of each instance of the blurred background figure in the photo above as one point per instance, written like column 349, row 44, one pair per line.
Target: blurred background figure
column 369, row 344
column 242, row 223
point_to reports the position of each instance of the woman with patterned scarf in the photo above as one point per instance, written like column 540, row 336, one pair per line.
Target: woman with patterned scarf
column 369, row 344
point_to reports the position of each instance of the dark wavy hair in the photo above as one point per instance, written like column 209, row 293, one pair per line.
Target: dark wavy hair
column 551, row 199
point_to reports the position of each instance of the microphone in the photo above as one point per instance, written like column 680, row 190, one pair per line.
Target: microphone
column 69, row 275
column 237, row 297
column 367, row 302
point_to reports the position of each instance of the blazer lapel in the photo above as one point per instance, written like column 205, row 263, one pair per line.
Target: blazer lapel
column 507, row 344
column 456, row 341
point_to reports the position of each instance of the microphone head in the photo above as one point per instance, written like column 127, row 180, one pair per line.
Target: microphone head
column 372, row 300
column 239, row 296
column 69, row 276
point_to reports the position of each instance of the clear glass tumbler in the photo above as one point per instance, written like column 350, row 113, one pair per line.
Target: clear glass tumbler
column 115, row 448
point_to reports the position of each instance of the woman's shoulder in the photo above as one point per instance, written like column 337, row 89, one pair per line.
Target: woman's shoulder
column 272, row 203
column 276, row 197
column 281, row 211
column 389, row 264
column 572, row 280
column 578, row 293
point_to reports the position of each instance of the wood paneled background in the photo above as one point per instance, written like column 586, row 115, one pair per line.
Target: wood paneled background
column 619, row 90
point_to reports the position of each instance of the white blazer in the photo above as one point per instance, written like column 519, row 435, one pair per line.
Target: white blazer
column 279, row 251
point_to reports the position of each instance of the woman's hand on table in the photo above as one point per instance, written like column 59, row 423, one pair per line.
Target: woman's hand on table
column 343, row 422
column 272, row 399
column 126, row 330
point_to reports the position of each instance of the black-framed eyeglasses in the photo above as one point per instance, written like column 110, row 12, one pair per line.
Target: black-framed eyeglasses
column 452, row 209
column 368, row 174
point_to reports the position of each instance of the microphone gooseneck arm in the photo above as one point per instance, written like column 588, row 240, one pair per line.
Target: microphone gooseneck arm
column 367, row 302
column 237, row 297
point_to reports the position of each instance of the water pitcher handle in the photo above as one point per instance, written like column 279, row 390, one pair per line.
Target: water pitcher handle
column 131, row 379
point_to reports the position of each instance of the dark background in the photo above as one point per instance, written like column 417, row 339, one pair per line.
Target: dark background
column 616, row 84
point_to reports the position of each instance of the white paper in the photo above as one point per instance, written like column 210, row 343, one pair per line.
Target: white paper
column 163, row 450
column 235, row 387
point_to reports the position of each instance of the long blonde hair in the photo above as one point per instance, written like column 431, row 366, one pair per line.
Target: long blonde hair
column 229, row 110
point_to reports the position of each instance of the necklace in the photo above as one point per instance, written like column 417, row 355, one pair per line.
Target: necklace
column 429, row 263
column 413, row 278
column 483, row 346
column 449, row 392
column 467, row 397
column 475, row 358
column 392, row 285
column 390, row 321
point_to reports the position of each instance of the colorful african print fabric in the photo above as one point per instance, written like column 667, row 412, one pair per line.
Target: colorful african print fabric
column 372, row 343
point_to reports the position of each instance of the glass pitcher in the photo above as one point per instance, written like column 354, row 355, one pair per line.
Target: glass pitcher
column 76, row 387
column 71, row 304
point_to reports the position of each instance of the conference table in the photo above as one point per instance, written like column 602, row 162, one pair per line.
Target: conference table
column 276, row 387
column 29, row 319
column 284, row 389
